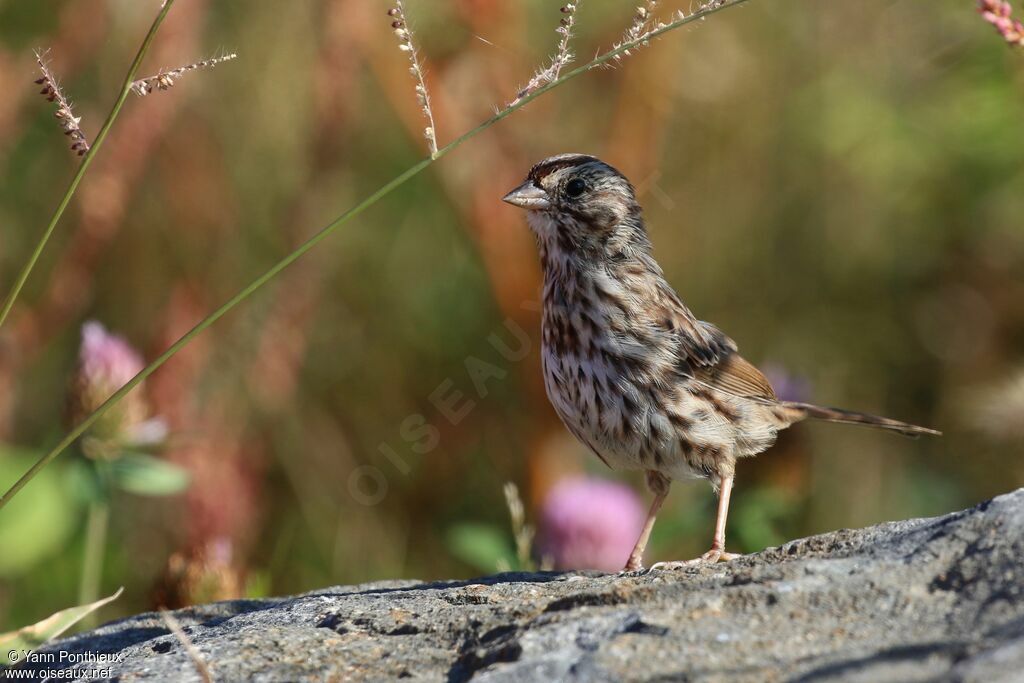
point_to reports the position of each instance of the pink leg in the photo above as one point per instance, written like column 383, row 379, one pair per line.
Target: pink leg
column 659, row 485
column 718, row 544
column 717, row 551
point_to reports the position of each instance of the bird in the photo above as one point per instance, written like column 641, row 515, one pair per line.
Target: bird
column 628, row 368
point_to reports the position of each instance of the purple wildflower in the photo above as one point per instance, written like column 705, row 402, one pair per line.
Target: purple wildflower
column 997, row 13
column 590, row 524
column 106, row 362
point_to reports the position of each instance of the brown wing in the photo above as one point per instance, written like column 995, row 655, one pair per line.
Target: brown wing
column 697, row 343
column 711, row 357
column 707, row 354
column 734, row 375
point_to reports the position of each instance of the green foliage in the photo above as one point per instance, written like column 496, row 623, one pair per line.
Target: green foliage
column 36, row 526
column 481, row 546
column 836, row 185
column 145, row 475
column 257, row 585
column 760, row 517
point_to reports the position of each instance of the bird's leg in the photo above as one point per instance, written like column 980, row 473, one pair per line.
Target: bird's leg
column 717, row 551
column 659, row 486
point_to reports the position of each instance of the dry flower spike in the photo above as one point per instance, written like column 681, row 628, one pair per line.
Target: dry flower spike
column 642, row 22
column 405, row 44
column 997, row 13
column 563, row 57
column 164, row 80
column 645, row 25
column 70, row 123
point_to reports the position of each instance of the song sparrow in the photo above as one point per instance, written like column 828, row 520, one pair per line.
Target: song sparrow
column 629, row 369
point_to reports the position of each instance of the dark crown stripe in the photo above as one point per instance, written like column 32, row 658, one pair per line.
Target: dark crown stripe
column 549, row 166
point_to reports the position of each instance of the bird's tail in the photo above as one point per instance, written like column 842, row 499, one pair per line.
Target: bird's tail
column 806, row 410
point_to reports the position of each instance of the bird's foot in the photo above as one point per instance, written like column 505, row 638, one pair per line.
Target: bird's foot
column 634, row 566
column 710, row 557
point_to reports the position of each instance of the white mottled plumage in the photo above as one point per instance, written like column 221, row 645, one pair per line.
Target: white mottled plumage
column 633, row 356
column 628, row 368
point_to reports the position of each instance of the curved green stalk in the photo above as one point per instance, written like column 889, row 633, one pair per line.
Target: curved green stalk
column 86, row 161
column 96, row 528
column 245, row 293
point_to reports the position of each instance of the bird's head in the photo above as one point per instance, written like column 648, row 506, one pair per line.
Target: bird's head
column 577, row 201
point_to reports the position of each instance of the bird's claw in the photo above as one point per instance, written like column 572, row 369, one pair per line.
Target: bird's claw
column 710, row 557
column 634, row 567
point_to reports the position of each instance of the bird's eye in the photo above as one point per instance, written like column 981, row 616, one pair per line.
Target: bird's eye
column 574, row 188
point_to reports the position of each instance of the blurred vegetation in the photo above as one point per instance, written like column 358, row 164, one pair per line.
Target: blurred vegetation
column 837, row 185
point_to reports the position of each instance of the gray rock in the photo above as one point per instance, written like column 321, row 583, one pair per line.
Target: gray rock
column 923, row 600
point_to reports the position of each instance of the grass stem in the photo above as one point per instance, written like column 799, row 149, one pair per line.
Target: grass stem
column 95, row 546
column 126, row 90
column 705, row 10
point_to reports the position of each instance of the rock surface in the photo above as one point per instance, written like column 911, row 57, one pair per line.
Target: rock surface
column 922, row 600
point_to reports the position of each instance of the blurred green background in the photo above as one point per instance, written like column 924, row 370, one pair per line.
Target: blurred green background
column 837, row 185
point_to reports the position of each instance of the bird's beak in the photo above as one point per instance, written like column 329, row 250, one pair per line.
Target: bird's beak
column 528, row 196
